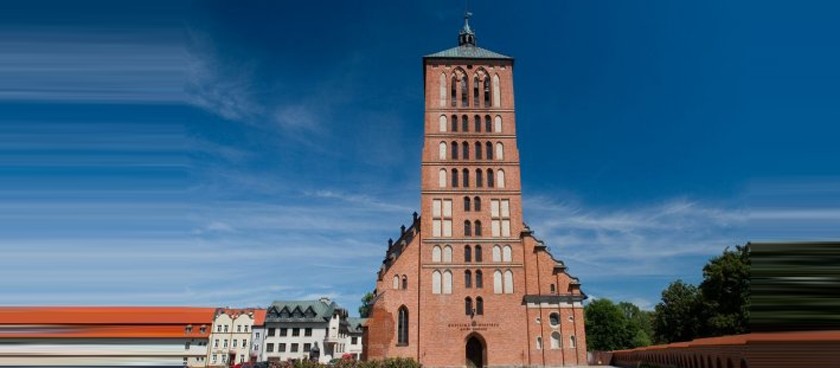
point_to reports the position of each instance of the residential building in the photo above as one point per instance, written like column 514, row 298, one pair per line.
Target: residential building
column 301, row 330
column 104, row 336
column 230, row 340
column 355, row 332
column 469, row 284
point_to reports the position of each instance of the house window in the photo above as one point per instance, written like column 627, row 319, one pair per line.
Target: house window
column 307, row 347
column 281, row 347
column 216, row 343
column 238, row 328
column 187, row 345
column 271, row 332
column 188, row 329
column 296, row 332
column 308, row 330
column 354, row 340
column 225, row 343
column 269, row 348
column 295, row 347
column 202, row 329
column 226, row 328
column 234, row 342
column 218, row 328
column 402, row 326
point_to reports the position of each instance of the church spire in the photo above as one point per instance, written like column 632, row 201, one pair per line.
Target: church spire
column 466, row 37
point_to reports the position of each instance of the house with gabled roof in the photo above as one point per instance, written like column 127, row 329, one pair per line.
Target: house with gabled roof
column 305, row 330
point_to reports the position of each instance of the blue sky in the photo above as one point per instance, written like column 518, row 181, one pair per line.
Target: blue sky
column 210, row 153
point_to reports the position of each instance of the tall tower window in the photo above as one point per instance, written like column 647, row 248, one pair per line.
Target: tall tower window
column 503, row 283
column 468, row 308
column 500, row 216
column 442, row 178
column 467, row 228
column 506, row 254
column 447, row 254
column 447, row 282
column 489, row 152
column 454, row 178
column 442, row 151
column 500, row 151
column 396, row 282
column 465, row 150
column 465, row 174
column 478, row 150
column 486, row 92
column 465, row 123
column 487, row 124
column 500, row 178
column 442, row 123
column 436, row 254
column 453, row 88
column 479, row 279
column 478, row 257
column 402, row 326
column 477, row 228
column 476, row 101
column 555, row 340
column 497, row 253
column 465, row 96
column 468, row 279
column 404, row 282
column 479, row 178
column 442, row 89
column 508, row 282
column 490, row 178
column 467, row 206
column 442, row 217
column 479, row 306
column 477, row 203
column 497, row 96
column 454, row 123
column 454, row 150
column 467, row 254
column 436, row 282
column 498, row 123
column 477, row 120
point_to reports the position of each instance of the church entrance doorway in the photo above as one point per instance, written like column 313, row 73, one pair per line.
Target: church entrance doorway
column 476, row 352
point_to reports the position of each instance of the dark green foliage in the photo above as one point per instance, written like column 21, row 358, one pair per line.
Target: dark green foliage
column 349, row 363
column 676, row 317
column 720, row 306
column 364, row 309
column 725, row 293
column 611, row 326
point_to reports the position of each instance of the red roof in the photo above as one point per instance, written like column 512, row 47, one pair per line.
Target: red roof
column 105, row 322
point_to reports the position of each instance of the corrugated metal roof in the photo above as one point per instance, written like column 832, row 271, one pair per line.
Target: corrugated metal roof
column 467, row 52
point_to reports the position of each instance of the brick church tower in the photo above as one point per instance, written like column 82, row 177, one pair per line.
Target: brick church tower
column 468, row 284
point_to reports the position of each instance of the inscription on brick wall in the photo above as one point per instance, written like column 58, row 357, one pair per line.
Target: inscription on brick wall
column 474, row 326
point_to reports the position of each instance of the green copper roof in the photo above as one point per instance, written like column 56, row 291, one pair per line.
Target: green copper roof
column 467, row 52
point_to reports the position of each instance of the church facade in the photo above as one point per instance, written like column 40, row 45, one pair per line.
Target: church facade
column 468, row 283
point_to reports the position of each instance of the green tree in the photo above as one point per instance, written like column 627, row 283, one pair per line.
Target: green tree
column 640, row 324
column 678, row 316
column 725, row 293
column 607, row 328
column 364, row 309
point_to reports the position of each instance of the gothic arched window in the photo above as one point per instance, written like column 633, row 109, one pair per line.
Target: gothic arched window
column 486, row 92
column 465, row 150
column 475, row 91
column 479, row 306
column 402, row 326
column 404, row 282
column 468, row 279
column 454, row 123
column 442, row 178
column 479, row 279
column 477, row 120
column 497, row 95
column 490, row 183
column 489, row 149
column 500, row 178
column 454, row 150
column 467, row 204
column 478, row 150
column 477, row 203
column 467, row 228
column 487, row 124
column 477, row 228
column 467, row 254
column 453, row 88
column 465, row 123
column 442, row 123
column 498, row 123
column 478, row 256
column 465, row 95
column 500, row 151
column 454, row 178
column 479, row 178
column 468, row 307
column 465, row 178
column 442, row 150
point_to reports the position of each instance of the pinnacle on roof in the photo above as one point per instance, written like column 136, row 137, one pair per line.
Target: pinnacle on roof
column 466, row 37
column 467, row 48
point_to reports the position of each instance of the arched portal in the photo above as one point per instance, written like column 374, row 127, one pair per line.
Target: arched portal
column 476, row 352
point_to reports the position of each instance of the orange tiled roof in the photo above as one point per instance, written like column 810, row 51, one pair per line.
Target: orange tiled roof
column 106, row 315
column 259, row 317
